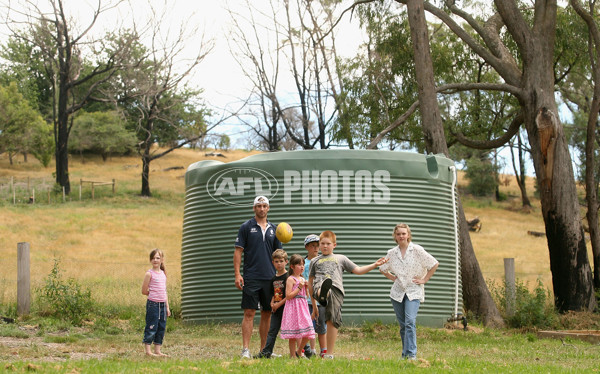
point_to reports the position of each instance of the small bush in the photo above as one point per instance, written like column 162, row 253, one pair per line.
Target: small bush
column 65, row 299
column 481, row 176
column 531, row 309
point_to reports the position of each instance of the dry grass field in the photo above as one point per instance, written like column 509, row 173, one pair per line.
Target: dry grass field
column 106, row 241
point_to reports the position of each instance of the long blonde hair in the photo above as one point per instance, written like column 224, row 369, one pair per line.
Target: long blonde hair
column 162, row 258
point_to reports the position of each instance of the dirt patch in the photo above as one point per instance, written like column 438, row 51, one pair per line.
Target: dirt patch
column 20, row 348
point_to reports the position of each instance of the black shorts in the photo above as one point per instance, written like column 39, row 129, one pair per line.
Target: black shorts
column 256, row 294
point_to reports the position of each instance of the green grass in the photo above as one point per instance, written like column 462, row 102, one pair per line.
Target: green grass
column 215, row 349
column 114, row 234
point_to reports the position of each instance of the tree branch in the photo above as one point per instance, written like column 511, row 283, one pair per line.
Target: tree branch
column 495, row 143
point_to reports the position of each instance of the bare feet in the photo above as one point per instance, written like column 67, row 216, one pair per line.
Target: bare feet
column 151, row 354
column 161, row 354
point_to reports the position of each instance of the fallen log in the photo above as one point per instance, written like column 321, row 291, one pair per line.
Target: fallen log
column 475, row 224
column 536, row 233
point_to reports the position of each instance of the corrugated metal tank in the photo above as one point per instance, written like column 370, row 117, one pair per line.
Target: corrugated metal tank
column 358, row 194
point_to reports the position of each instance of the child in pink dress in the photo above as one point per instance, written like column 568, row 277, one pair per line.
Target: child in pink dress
column 296, row 323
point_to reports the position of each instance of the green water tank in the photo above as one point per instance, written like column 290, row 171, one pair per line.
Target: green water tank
column 358, row 194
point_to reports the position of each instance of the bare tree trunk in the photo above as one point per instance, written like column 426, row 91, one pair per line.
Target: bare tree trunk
column 62, row 153
column 531, row 80
column 591, row 186
column 571, row 273
column 520, row 172
column 476, row 295
column 146, row 158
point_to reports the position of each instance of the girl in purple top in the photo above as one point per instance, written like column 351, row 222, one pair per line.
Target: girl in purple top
column 157, row 306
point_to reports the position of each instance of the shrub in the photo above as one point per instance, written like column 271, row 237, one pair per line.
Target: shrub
column 65, row 299
column 481, row 176
column 532, row 309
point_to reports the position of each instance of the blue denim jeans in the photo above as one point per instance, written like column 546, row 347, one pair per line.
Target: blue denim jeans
column 406, row 314
column 156, row 322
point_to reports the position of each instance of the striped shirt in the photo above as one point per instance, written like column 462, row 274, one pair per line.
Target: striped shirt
column 157, row 286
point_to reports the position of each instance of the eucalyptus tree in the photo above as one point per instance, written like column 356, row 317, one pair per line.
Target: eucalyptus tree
column 64, row 47
column 21, row 62
column 22, row 129
column 592, row 136
column 281, row 42
column 103, row 133
column 518, row 43
column 529, row 76
column 153, row 90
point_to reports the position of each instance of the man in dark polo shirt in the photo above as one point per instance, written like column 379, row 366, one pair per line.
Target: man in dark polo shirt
column 257, row 241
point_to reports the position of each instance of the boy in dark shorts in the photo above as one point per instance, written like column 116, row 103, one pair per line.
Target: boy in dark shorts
column 326, row 285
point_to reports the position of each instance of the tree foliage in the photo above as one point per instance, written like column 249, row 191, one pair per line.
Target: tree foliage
column 103, row 133
column 22, row 129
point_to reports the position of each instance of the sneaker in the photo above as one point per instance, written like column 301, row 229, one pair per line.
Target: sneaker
column 262, row 354
column 275, row 355
column 327, row 357
column 411, row 358
column 246, row 353
column 325, row 287
column 308, row 352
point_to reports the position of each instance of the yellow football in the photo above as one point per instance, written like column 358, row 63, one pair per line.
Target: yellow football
column 284, row 232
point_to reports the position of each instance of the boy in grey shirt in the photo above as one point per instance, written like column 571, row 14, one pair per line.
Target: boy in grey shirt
column 326, row 284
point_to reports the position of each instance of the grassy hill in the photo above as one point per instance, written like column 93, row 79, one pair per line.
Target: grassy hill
column 105, row 242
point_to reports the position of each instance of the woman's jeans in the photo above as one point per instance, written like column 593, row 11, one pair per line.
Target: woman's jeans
column 156, row 322
column 406, row 314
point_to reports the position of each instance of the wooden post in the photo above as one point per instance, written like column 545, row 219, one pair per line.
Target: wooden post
column 64, row 197
column 23, row 279
column 92, row 190
column 113, row 186
column 79, row 191
column 510, row 283
column 33, row 195
column 48, row 195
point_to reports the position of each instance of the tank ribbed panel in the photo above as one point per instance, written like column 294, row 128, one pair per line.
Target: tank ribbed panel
column 364, row 233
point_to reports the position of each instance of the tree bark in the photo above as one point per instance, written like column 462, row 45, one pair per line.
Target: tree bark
column 591, row 185
column 532, row 81
column 476, row 295
column 146, row 174
column 571, row 273
column 520, row 175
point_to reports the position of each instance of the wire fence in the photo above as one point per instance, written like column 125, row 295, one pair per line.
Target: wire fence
column 110, row 283
column 26, row 190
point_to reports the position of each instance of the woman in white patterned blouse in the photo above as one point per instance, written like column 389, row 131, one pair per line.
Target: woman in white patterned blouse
column 409, row 266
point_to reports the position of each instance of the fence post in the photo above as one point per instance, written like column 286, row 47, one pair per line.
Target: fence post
column 23, row 279
column 510, row 283
column 113, row 186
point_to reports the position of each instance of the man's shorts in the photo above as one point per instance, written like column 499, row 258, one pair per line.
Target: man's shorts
column 256, row 294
